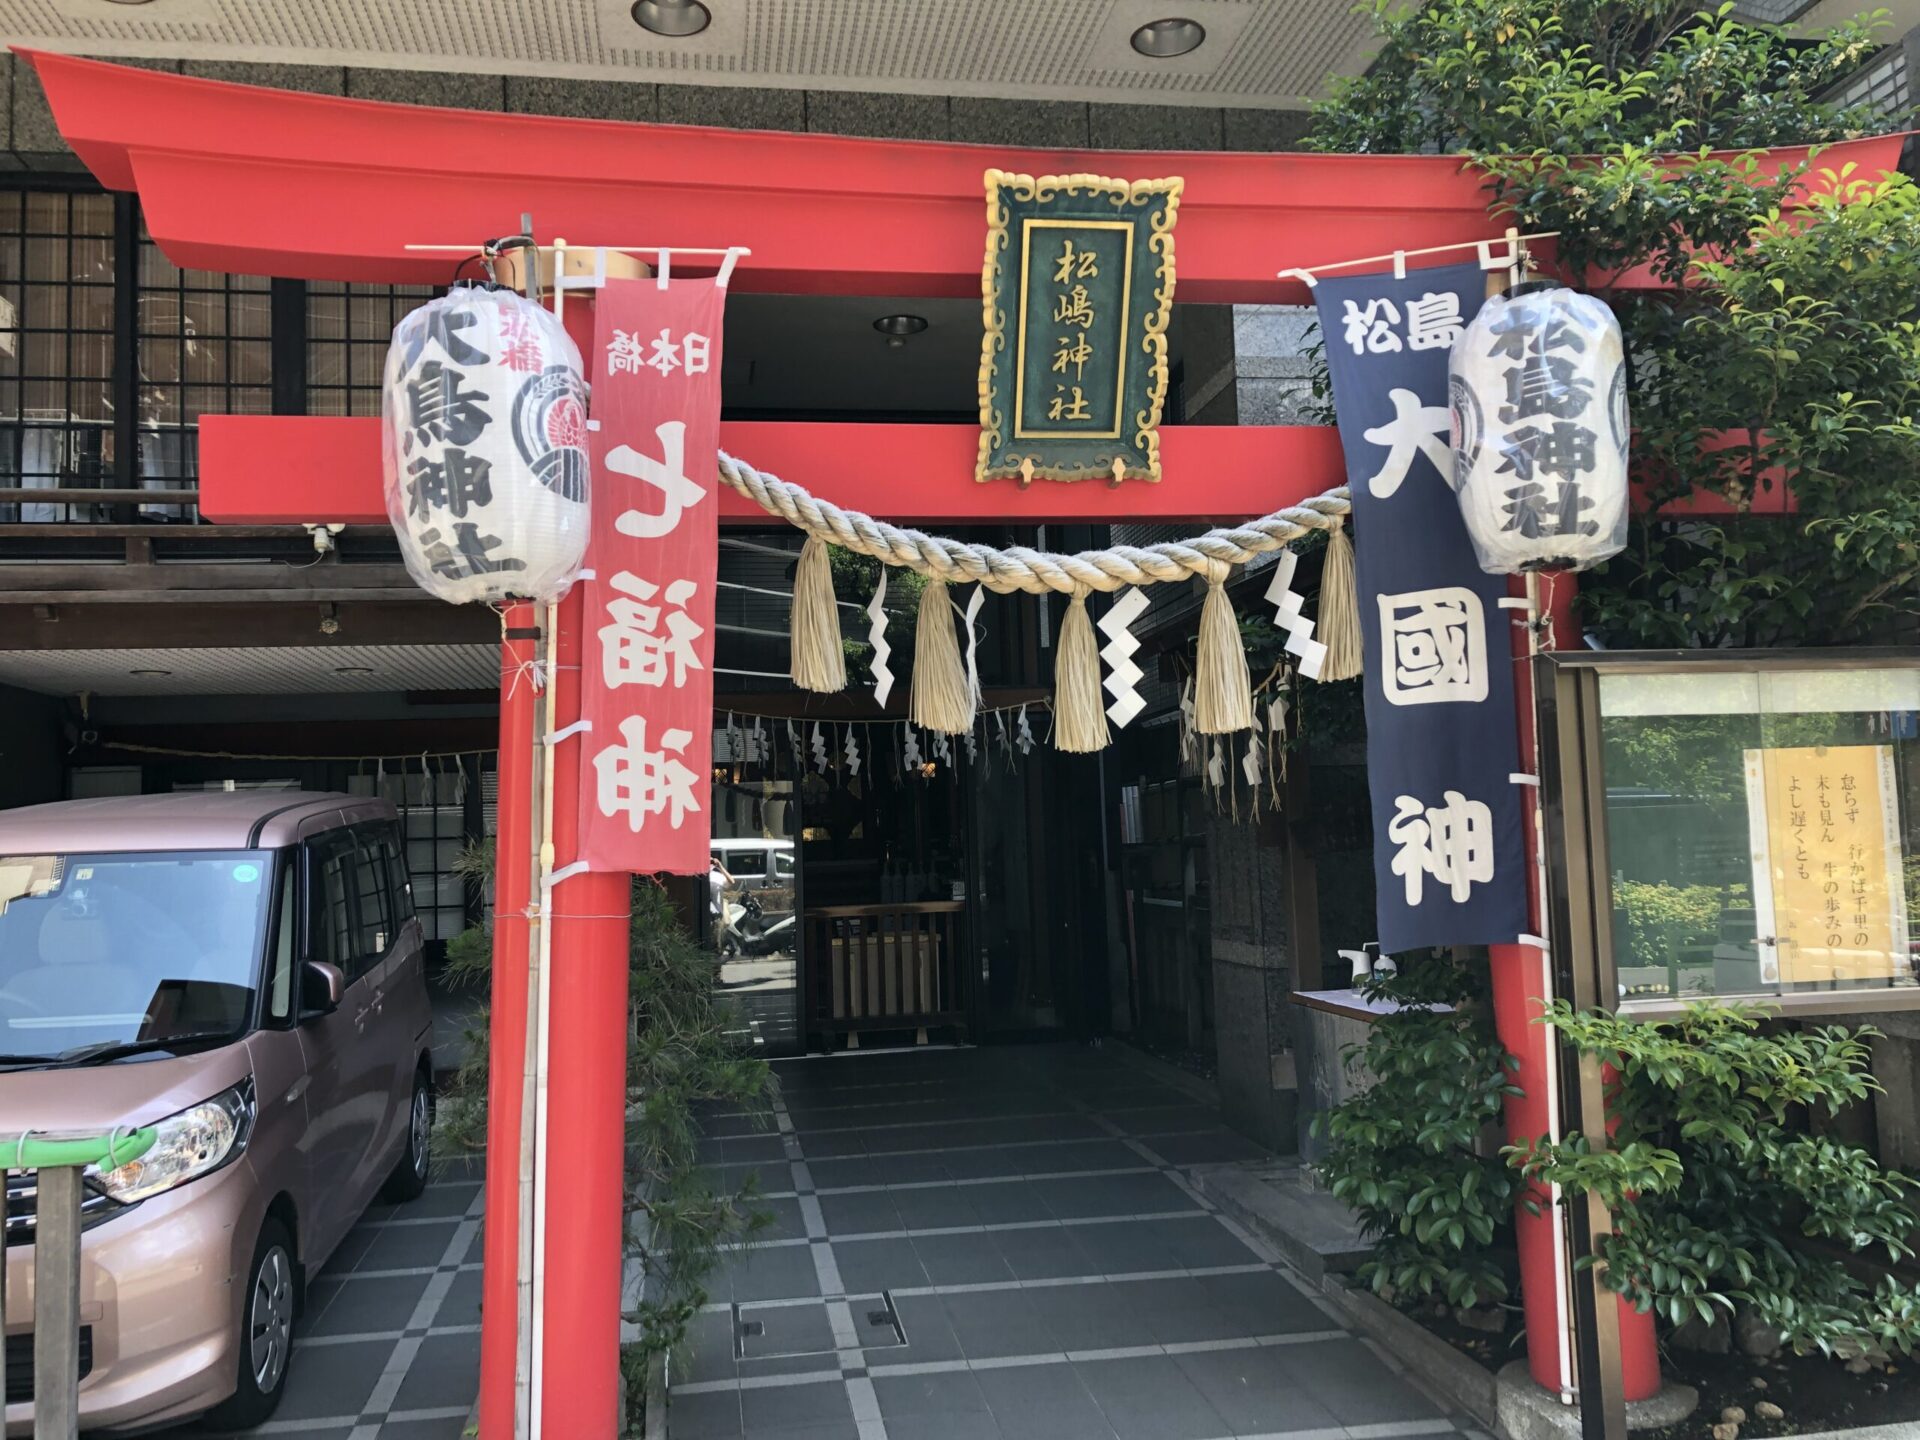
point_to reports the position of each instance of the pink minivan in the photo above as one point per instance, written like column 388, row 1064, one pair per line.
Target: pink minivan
column 244, row 971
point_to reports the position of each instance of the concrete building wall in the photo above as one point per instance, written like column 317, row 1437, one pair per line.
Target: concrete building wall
column 1273, row 364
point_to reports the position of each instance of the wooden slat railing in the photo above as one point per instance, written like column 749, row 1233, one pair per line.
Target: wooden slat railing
column 886, row 967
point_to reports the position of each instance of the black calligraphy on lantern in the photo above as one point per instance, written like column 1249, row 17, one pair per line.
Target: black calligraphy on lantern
column 441, row 327
column 439, row 408
column 1517, row 338
column 1550, row 451
column 1545, row 385
column 457, row 481
column 1536, row 456
column 468, row 555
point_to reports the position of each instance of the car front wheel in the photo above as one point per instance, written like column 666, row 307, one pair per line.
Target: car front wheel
column 266, row 1332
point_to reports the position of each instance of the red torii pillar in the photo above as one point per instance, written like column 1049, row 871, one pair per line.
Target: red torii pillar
column 586, row 1079
column 1522, row 975
column 581, row 1223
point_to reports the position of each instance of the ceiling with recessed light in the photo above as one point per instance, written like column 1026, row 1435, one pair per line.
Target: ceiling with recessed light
column 1256, row 53
column 253, row 670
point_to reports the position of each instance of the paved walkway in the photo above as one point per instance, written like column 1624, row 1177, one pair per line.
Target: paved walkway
column 388, row 1347
column 1004, row 1242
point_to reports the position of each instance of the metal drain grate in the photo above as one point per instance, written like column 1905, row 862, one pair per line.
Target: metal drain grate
column 778, row 1330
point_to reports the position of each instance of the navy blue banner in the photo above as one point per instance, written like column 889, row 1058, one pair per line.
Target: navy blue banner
column 1442, row 736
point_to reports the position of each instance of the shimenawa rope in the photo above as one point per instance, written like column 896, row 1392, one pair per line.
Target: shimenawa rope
column 1019, row 568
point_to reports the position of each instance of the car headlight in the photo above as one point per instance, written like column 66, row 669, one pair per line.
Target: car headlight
column 198, row 1140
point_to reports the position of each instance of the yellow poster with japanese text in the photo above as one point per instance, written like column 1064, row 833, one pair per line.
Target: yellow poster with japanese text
column 1828, row 883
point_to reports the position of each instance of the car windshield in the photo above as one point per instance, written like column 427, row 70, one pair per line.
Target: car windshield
column 101, row 951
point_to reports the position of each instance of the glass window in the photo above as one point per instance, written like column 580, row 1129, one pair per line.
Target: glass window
column 374, row 932
column 1883, row 85
column 783, row 863
column 1763, row 830
column 103, row 950
column 286, row 936
column 399, row 887
column 330, row 906
column 56, row 350
column 203, row 348
column 433, row 821
column 348, row 329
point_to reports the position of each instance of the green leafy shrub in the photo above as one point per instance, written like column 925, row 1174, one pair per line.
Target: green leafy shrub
column 679, row 1058
column 1720, row 1195
column 1662, row 919
column 1404, row 1150
column 679, row 1061
column 1789, row 358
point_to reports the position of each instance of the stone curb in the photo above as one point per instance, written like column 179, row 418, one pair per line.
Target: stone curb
column 1529, row 1413
column 1313, row 1232
column 1458, row 1379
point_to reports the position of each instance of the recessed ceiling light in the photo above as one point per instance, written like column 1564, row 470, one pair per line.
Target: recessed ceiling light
column 675, row 18
column 1166, row 39
column 149, row 672
column 898, row 327
column 353, row 670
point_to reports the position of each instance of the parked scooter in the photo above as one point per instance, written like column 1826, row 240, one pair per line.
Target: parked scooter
column 744, row 931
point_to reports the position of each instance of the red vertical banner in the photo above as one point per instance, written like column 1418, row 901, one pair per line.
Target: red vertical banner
column 647, row 666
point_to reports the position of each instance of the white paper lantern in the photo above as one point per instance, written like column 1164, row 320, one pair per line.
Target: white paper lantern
column 485, row 424
column 1538, row 391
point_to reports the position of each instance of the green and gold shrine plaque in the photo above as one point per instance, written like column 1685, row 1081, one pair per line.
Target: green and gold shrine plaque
column 1077, row 287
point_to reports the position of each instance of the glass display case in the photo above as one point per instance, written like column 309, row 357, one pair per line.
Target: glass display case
column 1736, row 825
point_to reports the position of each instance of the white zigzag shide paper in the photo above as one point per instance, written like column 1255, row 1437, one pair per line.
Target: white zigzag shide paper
column 1122, row 674
column 877, row 637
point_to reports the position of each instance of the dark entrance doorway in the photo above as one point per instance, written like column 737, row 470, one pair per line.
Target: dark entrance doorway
column 918, row 899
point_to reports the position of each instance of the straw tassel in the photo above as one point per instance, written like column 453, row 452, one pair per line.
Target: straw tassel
column 1223, row 690
column 818, row 659
column 1339, row 627
column 1079, row 720
column 943, row 702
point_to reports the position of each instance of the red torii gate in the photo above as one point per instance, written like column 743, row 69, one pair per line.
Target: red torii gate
column 271, row 182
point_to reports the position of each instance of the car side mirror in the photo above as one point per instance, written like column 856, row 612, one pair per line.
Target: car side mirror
column 322, row 986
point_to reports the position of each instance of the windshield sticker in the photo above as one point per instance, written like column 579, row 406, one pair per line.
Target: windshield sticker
column 246, row 874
